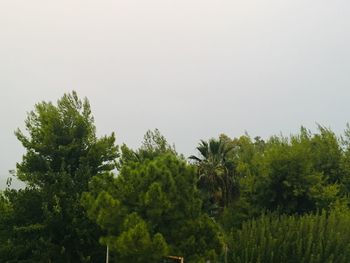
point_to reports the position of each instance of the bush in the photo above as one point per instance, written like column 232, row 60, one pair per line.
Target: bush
column 313, row 238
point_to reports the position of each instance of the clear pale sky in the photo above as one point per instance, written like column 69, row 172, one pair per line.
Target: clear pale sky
column 192, row 68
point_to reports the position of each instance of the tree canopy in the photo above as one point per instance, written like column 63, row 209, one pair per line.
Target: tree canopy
column 62, row 155
column 241, row 199
column 153, row 207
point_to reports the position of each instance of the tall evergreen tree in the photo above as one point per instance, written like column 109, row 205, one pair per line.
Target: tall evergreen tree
column 153, row 208
column 62, row 154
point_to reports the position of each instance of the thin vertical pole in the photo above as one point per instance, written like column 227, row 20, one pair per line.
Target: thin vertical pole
column 107, row 255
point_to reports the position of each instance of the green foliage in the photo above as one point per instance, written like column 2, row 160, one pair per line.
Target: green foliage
column 258, row 198
column 305, row 172
column 300, row 174
column 62, row 155
column 216, row 175
column 62, row 139
column 309, row 238
column 153, row 208
column 22, row 225
column 135, row 243
column 246, row 156
column 6, row 211
column 345, row 162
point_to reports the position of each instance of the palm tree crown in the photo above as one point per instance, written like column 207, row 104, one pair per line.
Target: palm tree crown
column 216, row 172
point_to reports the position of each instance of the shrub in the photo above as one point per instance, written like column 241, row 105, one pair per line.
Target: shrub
column 313, row 238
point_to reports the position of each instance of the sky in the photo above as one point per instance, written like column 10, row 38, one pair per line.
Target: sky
column 191, row 68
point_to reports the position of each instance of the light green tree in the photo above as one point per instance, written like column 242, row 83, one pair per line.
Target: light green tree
column 152, row 208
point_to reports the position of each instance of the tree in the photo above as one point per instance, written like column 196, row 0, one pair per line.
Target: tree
column 215, row 173
column 6, row 212
column 245, row 155
column 22, row 227
column 345, row 162
column 327, row 154
column 62, row 155
column 298, row 174
column 152, row 208
column 291, row 176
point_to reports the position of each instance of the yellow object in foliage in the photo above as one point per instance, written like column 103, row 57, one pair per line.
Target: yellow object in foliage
column 174, row 259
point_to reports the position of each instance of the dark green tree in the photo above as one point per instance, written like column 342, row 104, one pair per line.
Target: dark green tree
column 62, row 154
column 22, row 227
column 6, row 214
column 216, row 174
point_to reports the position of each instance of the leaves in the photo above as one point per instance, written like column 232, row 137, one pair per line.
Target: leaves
column 62, row 155
column 216, row 173
column 158, row 211
column 315, row 238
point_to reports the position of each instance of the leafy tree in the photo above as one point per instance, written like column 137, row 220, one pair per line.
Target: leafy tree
column 245, row 155
column 292, row 178
column 345, row 162
column 327, row 153
column 62, row 155
column 22, row 225
column 6, row 211
column 152, row 208
column 297, row 174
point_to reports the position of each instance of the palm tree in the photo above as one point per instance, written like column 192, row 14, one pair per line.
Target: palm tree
column 215, row 172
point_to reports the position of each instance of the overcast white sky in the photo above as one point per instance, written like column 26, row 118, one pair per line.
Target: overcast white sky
column 192, row 68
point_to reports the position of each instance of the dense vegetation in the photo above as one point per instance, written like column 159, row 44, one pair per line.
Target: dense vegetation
column 308, row 238
column 284, row 199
